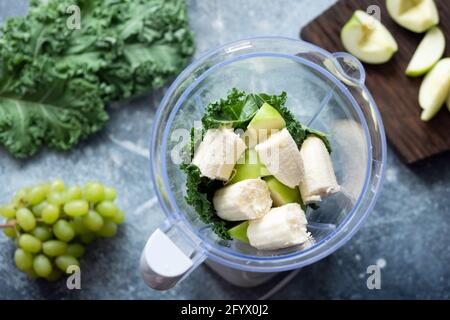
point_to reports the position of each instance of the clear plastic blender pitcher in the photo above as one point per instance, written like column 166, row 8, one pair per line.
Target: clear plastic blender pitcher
column 326, row 92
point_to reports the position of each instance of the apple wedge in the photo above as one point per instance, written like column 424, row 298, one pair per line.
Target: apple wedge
column 367, row 39
column 263, row 123
column 282, row 194
column 414, row 15
column 435, row 89
column 239, row 232
column 249, row 167
column 428, row 53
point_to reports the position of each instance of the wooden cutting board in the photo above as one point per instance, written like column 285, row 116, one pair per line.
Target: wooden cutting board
column 395, row 94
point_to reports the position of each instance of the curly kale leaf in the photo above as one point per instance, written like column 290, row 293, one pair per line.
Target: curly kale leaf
column 236, row 111
column 57, row 113
column 200, row 191
column 123, row 48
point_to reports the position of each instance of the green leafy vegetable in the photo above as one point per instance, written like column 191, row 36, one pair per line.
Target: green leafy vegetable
column 200, row 191
column 236, row 111
column 123, row 48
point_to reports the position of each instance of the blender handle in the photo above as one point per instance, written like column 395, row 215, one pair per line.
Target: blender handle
column 169, row 256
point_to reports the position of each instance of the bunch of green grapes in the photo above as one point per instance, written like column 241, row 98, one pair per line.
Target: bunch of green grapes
column 52, row 224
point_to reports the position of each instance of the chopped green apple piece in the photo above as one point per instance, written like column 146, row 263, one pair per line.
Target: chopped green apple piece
column 367, row 39
column 239, row 232
column 249, row 167
column 428, row 53
column 265, row 120
column 435, row 89
column 414, row 15
column 282, row 194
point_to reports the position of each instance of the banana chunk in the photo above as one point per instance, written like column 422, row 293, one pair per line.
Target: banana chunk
column 245, row 200
column 282, row 158
column 319, row 179
column 281, row 227
column 218, row 153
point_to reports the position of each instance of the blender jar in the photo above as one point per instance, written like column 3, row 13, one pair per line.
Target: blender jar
column 326, row 92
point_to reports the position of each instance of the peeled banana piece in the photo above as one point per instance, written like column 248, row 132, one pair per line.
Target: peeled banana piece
column 282, row 158
column 245, row 200
column 319, row 179
column 281, row 227
column 218, row 152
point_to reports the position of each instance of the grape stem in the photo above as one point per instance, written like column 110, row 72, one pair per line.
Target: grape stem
column 9, row 224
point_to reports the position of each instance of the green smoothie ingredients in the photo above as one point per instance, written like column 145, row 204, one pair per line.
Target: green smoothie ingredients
column 52, row 224
column 254, row 170
column 56, row 76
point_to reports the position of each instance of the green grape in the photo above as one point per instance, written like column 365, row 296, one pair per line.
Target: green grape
column 87, row 238
column 55, row 197
column 75, row 250
column 10, row 232
column 78, row 225
column 46, row 187
column 19, row 197
column 23, row 259
column 42, row 233
column 57, row 185
column 50, row 214
column 94, row 192
column 65, row 261
column 42, row 266
column 53, row 248
column 119, row 217
column 108, row 230
column 8, row 211
column 26, row 219
column 37, row 209
column 54, row 275
column 110, row 194
column 30, row 243
column 76, row 208
column 74, row 193
column 35, row 195
column 63, row 231
column 93, row 221
column 107, row 209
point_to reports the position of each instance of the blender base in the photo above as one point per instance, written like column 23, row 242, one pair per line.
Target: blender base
column 240, row 278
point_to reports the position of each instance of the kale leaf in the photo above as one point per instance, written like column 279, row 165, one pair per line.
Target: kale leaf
column 123, row 48
column 200, row 191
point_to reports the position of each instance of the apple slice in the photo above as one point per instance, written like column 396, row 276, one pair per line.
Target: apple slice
column 367, row 39
column 282, row 194
column 428, row 53
column 265, row 120
column 239, row 232
column 435, row 89
column 249, row 167
column 414, row 15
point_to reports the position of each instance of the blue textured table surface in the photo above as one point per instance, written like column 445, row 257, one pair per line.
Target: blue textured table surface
column 407, row 235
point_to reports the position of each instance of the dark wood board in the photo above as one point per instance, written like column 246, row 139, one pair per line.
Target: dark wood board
column 395, row 94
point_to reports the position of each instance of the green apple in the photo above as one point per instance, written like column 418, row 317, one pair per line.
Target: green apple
column 367, row 39
column 435, row 89
column 239, row 232
column 414, row 15
column 265, row 120
column 249, row 167
column 282, row 194
column 428, row 53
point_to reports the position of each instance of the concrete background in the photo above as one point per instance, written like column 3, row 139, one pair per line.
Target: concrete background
column 407, row 235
